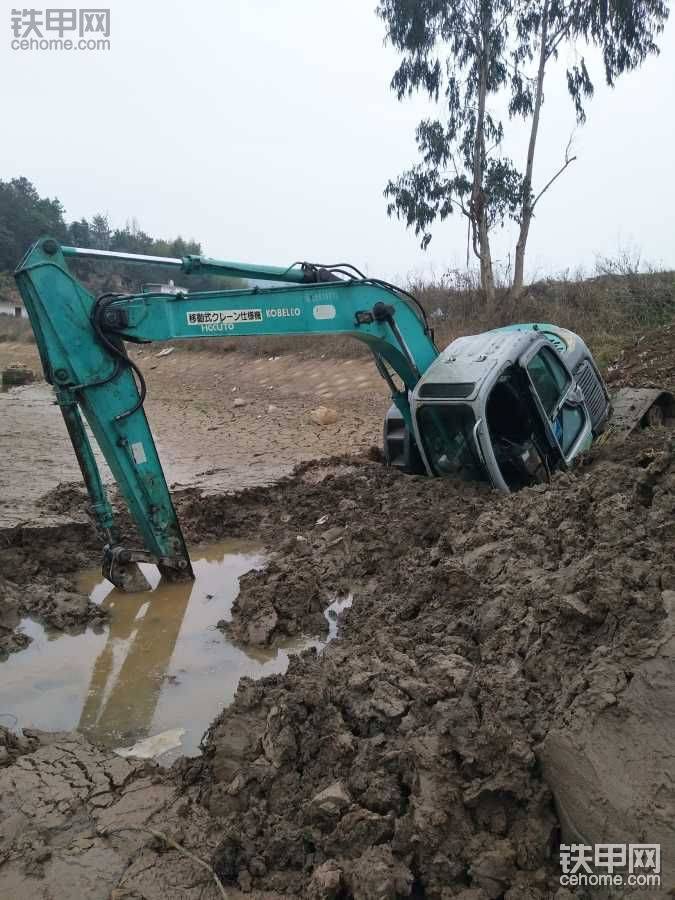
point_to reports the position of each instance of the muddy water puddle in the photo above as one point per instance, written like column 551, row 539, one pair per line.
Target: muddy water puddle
column 158, row 664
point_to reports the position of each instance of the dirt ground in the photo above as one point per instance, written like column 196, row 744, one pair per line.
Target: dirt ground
column 502, row 681
column 203, row 439
column 648, row 361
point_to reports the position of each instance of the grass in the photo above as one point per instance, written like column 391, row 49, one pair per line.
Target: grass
column 608, row 310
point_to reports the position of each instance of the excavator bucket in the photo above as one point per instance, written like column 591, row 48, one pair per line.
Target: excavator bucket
column 125, row 575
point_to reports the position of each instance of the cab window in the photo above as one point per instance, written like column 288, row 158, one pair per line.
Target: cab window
column 446, row 430
column 549, row 377
column 570, row 422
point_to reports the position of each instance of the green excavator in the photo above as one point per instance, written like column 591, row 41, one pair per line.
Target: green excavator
column 507, row 407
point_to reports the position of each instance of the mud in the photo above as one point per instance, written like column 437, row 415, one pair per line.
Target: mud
column 46, row 534
column 40, row 560
column 504, row 660
column 77, row 822
column 502, row 681
column 343, row 518
column 38, row 578
column 157, row 665
column 13, row 745
column 648, row 362
column 204, row 441
column 504, row 677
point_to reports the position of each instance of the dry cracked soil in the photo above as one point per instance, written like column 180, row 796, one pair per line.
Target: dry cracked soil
column 502, row 681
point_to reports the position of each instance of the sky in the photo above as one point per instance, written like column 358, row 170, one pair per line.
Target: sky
column 268, row 132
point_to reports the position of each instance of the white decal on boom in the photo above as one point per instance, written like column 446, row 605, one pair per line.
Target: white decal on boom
column 225, row 317
column 138, row 453
column 324, row 311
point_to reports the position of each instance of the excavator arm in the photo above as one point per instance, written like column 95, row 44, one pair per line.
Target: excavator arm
column 81, row 340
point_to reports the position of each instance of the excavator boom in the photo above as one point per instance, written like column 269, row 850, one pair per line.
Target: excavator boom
column 81, row 344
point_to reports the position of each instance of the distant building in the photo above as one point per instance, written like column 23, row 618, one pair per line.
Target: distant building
column 13, row 308
column 169, row 288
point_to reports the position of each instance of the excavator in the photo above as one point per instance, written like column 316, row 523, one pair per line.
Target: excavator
column 508, row 407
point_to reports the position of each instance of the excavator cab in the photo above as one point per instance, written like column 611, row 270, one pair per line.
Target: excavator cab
column 503, row 408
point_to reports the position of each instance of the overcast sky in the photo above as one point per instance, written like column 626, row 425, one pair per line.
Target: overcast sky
column 267, row 130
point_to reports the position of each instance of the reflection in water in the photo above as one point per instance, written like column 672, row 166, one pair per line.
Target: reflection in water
column 158, row 664
column 128, row 673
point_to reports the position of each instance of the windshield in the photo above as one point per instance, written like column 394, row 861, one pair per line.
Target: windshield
column 446, row 431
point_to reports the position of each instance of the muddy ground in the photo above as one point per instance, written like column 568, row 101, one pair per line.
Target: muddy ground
column 204, row 440
column 648, row 361
column 503, row 680
column 207, row 444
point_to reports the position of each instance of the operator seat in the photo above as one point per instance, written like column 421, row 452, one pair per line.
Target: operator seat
column 507, row 413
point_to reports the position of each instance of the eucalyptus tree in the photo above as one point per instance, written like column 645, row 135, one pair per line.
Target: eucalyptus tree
column 457, row 50
column 624, row 31
column 479, row 54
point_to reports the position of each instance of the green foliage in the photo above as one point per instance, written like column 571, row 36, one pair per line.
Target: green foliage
column 624, row 31
column 25, row 217
column 457, row 50
column 98, row 235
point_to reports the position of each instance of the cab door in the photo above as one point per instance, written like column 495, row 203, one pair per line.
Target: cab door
column 559, row 399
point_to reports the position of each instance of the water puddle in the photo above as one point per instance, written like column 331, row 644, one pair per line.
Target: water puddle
column 158, row 664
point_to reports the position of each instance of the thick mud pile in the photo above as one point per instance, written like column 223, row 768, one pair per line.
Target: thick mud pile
column 38, row 568
column 506, row 668
column 648, row 362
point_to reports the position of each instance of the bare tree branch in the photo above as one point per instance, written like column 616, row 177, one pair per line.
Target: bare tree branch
column 556, row 40
column 568, row 161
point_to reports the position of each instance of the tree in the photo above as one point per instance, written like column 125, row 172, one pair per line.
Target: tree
column 624, row 30
column 497, row 48
column 459, row 168
column 101, row 234
column 79, row 234
column 24, row 217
